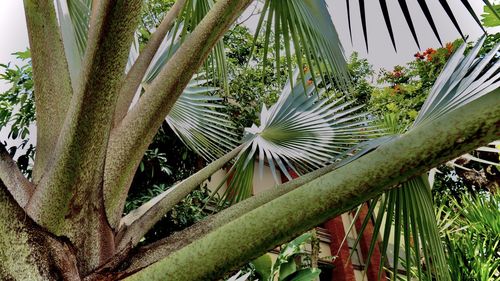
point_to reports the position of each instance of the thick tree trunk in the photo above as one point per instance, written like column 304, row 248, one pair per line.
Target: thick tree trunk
column 27, row 252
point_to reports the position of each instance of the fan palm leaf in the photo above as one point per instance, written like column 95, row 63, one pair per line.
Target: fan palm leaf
column 301, row 132
column 192, row 14
column 74, row 19
column 195, row 118
column 301, row 25
column 408, row 209
column 404, row 9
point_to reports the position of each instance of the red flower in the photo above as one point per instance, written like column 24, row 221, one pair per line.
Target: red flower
column 429, row 51
column 449, row 47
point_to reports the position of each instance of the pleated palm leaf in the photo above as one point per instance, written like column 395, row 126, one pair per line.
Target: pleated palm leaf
column 299, row 27
column 405, row 10
column 301, row 132
column 191, row 15
column 195, row 118
column 408, row 210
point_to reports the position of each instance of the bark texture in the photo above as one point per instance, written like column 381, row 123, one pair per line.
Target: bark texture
column 27, row 252
column 68, row 201
column 130, row 139
column 51, row 77
column 136, row 73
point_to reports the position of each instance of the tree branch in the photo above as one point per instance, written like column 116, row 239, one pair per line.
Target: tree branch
column 68, row 201
column 130, row 139
column 51, row 78
column 147, row 255
column 138, row 222
column 136, row 73
column 20, row 187
column 257, row 231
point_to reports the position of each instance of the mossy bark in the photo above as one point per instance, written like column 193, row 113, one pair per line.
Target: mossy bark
column 68, row 200
column 27, row 252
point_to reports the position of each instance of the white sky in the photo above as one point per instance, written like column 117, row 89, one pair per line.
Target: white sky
column 13, row 32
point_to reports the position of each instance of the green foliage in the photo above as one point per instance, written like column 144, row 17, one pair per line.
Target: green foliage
column 291, row 263
column 489, row 18
column 408, row 86
column 473, row 239
column 152, row 14
column 17, row 108
column 166, row 162
column 250, row 87
column 360, row 72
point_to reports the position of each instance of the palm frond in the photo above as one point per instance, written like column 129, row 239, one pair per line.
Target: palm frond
column 408, row 210
column 196, row 122
column 409, row 18
column 239, row 276
column 302, row 25
column 407, row 213
column 301, row 132
column 464, row 78
column 194, row 118
column 74, row 19
column 192, row 14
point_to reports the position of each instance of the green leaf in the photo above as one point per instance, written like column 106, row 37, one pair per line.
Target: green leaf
column 304, row 24
column 301, row 132
column 263, row 266
column 74, row 18
column 287, row 269
column 308, row 274
column 489, row 18
column 464, row 78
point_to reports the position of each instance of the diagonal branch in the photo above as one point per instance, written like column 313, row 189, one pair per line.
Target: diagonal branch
column 51, row 78
column 251, row 234
column 130, row 139
column 138, row 222
column 147, row 255
column 76, row 169
column 20, row 187
column 136, row 73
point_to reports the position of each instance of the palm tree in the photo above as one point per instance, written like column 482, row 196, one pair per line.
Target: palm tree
column 66, row 223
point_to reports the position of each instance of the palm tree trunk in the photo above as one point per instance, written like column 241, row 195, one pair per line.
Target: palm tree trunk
column 27, row 252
